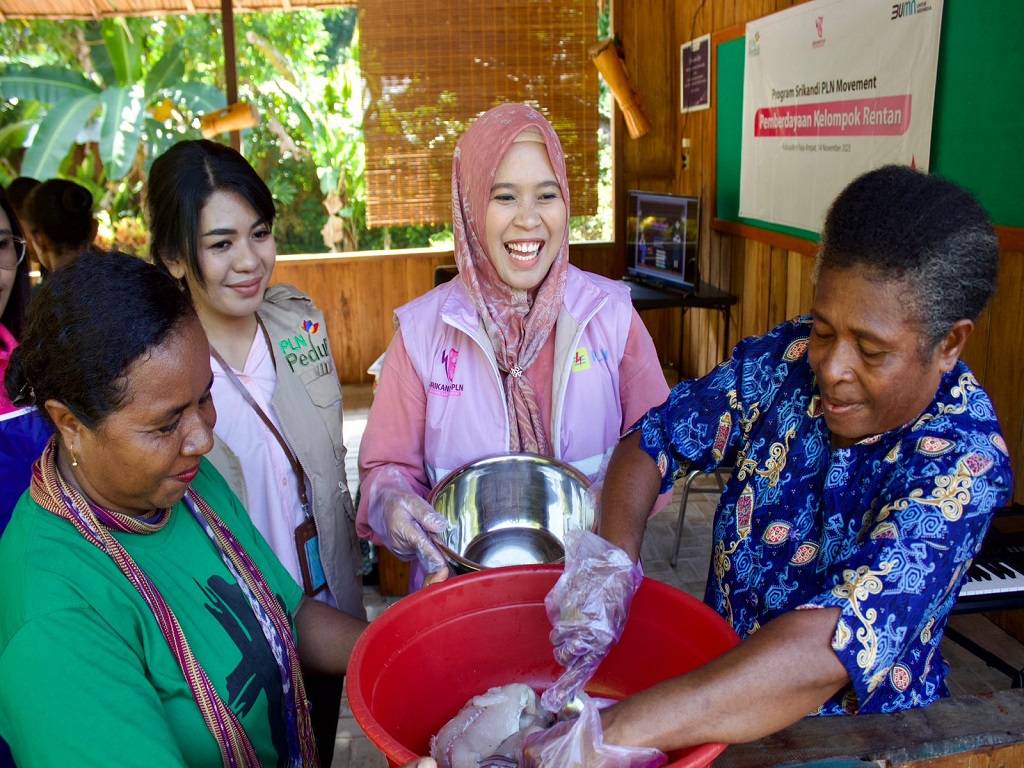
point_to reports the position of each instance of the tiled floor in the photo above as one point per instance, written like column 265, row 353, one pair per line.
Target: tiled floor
column 968, row 674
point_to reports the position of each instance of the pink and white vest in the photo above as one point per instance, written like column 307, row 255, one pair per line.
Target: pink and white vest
column 467, row 417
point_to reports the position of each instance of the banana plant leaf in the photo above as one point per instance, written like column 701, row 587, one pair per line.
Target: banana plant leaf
column 98, row 52
column 293, row 96
column 55, row 136
column 124, row 51
column 159, row 139
column 13, row 135
column 123, row 118
column 197, row 97
column 166, row 73
column 46, row 84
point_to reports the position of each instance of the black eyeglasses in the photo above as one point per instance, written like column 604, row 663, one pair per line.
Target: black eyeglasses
column 12, row 251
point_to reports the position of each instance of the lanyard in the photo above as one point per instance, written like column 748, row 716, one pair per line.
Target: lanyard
column 300, row 473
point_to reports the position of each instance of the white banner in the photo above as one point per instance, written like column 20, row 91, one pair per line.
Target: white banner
column 832, row 89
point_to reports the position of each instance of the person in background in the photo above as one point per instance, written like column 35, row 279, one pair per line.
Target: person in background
column 14, row 288
column 59, row 222
column 20, row 433
column 278, row 441
column 869, row 462
column 134, row 589
column 520, row 352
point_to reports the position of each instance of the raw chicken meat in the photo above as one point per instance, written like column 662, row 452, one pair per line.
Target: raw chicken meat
column 484, row 723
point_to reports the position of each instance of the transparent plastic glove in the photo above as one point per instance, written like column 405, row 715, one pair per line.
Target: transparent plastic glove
column 587, row 607
column 579, row 743
column 405, row 521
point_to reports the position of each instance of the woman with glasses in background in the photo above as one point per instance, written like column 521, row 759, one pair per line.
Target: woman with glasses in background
column 14, row 289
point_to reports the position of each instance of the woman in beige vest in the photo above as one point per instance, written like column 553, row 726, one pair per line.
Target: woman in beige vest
column 278, row 437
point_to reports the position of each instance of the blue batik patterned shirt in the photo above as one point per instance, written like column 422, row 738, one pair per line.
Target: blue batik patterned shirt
column 883, row 530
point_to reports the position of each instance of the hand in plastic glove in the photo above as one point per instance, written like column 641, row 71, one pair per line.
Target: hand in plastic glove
column 405, row 522
column 587, row 607
column 580, row 742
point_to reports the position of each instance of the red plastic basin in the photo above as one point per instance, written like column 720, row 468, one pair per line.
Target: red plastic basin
column 423, row 658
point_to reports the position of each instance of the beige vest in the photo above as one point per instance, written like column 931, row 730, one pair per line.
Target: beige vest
column 307, row 402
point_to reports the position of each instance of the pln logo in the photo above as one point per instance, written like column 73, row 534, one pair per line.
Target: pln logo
column 310, row 327
column 819, row 27
column 447, row 389
column 448, row 360
column 581, row 360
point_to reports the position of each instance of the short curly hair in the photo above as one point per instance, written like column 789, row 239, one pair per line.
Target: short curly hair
column 899, row 224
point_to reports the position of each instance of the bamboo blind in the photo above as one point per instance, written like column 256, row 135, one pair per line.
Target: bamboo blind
column 93, row 9
column 432, row 66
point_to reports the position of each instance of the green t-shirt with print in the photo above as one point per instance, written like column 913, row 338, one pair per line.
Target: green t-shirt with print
column 86, row 676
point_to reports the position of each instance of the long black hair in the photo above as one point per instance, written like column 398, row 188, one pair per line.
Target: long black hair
column 180, row 182
column 90, row 322
column 13, row 316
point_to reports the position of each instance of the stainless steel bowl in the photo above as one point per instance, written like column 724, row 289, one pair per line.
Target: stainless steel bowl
column 511, row 510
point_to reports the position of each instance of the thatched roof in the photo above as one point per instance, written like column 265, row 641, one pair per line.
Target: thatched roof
column 95, row 9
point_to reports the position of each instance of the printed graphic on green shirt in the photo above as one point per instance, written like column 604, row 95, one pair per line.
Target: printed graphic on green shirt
column 256, row 671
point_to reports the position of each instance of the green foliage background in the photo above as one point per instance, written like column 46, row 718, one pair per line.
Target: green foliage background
column 300, row 69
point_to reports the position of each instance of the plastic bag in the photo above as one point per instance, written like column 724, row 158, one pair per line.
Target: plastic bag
column 587, row 607
column 579, row 743
column 405, row 521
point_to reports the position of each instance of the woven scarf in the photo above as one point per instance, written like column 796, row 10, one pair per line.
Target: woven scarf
column 516, row 323
column 54, row 494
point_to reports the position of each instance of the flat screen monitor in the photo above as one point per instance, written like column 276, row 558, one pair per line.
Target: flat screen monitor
column 661, row 239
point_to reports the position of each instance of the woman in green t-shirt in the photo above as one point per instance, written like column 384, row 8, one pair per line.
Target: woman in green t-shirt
column 143, row 619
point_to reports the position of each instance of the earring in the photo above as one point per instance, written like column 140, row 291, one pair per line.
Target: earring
column 74, row 459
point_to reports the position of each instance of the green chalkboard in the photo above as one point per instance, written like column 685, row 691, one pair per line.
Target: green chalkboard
column 977, row 126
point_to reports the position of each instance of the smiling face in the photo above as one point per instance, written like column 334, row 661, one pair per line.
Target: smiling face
column 237, row 253
column 142, row 456
column 874, row 370
column 526, row 216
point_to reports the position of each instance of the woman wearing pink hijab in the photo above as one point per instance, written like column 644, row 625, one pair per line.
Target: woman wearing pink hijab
column 520, row 352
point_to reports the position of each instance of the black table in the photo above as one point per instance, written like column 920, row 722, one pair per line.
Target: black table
column 647, row 296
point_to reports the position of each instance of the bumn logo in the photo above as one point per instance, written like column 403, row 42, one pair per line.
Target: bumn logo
column 908, row 8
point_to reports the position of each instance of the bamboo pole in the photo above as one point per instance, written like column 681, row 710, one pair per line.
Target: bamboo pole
column 227, row 18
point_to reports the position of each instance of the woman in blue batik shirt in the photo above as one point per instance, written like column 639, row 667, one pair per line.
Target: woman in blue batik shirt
column 868, row 464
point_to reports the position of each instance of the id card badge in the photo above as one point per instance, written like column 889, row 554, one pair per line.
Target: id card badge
column 307, row 543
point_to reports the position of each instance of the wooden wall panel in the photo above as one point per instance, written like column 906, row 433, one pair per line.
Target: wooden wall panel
column 1003, row 375
column 651, row 57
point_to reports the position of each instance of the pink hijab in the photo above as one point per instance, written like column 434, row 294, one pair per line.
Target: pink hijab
column 516, row 323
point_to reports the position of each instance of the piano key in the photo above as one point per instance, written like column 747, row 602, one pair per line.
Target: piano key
column 978, row 573
column 985, row 579
column 999, row 570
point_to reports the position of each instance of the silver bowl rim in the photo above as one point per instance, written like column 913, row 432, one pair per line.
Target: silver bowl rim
column 523, row 456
